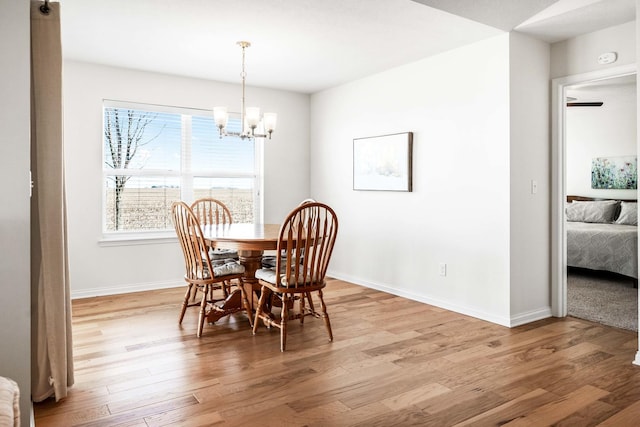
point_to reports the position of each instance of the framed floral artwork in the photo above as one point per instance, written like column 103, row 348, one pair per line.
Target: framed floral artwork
column 614, row 173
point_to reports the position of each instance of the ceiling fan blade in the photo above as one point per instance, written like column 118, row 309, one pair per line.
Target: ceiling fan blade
column 585, row 104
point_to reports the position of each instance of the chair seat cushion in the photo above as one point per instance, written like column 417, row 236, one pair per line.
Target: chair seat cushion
column 268, row 261
column 227, row 266
column 266, row 274
column 219, row 253
column 269, row 275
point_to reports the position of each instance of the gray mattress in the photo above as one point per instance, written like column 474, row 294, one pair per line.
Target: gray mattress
column 597, row 246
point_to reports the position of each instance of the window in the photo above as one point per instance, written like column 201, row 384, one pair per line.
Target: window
column 156, row 155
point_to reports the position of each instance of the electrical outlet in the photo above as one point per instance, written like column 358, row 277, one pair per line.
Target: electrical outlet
column 443, row 269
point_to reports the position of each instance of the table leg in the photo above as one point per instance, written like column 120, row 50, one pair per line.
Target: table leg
column 252, row 261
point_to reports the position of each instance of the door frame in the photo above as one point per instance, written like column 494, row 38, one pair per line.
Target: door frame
column 558, row 177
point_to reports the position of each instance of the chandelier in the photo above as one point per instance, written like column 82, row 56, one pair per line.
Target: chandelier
column 249, row 117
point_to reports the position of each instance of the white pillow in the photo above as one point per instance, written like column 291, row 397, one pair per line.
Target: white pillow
column 628, row 213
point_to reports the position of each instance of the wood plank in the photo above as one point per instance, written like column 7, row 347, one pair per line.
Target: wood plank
column 627, row 417
column 411, row 397
column 510, row 410
column 559, row 409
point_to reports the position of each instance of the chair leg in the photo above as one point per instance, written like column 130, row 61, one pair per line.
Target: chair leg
column 312, row 308
column 261, row 301
column 302, row 307
column 203, row 308
column 185, row 303
column 310, row 301
column 247, row 306
column 195, row 293
column 284, row 317
column 325, row 316
column 225, row 288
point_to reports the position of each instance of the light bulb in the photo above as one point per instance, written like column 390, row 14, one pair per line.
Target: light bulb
column 270, row 120
column 252, row 115
column 220, row 116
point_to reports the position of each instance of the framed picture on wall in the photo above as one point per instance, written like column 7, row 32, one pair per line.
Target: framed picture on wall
column 614, row 173
column 383, row 163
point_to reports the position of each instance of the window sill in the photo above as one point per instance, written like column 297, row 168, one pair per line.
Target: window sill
column 132, row 239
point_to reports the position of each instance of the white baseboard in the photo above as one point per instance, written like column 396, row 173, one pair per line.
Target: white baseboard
column 637, row 361
column 468, row 311
column 531, row 316
column 516, row 320
column 125, row 289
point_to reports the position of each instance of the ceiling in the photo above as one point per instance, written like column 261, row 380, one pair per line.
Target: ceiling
column 308, row 45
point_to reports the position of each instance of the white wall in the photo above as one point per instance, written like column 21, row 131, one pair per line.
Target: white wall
column 15, row 304
column 457, row 106
column 99, row 270
column 580, row 54
column 606, row 131
column 637, row 51
column 530, row 158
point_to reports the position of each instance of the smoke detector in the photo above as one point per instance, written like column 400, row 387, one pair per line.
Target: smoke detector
column 607, row 58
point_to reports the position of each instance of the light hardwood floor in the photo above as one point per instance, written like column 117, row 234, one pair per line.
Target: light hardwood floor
column 393, row 362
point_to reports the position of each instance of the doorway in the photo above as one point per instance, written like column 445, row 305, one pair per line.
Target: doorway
column 560, row 87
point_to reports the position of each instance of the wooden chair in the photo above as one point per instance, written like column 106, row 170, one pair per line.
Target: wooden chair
column 309, row 230
column 269, row 260
column 210, row 211
column 203, row 273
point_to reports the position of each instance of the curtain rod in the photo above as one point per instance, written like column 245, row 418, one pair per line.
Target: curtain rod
column 45, row 7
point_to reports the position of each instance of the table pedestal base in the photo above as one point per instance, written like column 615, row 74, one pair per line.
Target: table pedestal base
column 252, row 261
column 231, row 304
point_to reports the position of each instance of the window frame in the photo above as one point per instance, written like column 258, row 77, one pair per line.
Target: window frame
column 142, row 237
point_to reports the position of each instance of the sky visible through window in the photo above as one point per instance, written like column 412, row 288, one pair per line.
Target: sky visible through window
column 173, row 155
column 160, row 149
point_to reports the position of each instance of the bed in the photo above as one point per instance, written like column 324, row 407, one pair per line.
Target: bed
column 602, row 235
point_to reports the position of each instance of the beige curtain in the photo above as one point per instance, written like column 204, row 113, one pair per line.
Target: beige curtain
column 51, row 344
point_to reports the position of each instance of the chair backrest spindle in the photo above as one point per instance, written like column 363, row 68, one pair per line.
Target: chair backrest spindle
column 305, row 245
column 211, row 211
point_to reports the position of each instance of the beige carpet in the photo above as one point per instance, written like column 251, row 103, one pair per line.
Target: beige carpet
column 602, row 297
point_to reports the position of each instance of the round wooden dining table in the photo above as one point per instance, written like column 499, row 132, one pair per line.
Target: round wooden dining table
column 250, row 240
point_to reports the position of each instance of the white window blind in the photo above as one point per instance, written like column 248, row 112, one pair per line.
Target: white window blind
column 156, row 155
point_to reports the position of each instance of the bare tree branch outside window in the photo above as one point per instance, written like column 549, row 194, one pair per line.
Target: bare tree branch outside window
column 153, row 157
column 124, row 134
